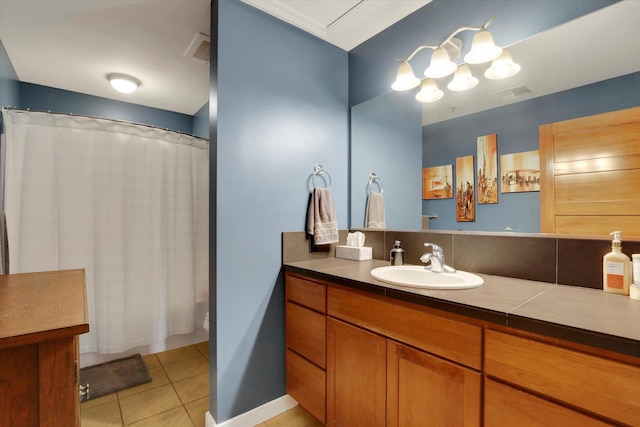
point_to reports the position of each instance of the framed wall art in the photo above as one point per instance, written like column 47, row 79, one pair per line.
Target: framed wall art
column 465, row 190
column 520, row 172
column 437, row 182
column 487, row 167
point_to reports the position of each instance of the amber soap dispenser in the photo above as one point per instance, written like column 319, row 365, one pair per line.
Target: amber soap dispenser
column 616, row 268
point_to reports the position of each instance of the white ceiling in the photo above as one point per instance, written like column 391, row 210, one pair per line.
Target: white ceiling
column 73, row 45
column 343, row 23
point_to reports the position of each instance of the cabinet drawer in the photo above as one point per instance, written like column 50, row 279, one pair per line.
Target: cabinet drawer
column 306, row 383
column 306, row 333
column 507, row 406
column 306, row 292
column 601, row 386
column 451, row 339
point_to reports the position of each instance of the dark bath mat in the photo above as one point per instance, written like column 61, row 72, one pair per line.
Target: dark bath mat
column 116, row 375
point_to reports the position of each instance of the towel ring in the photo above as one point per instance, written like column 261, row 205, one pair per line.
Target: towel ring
column 319, row 171
column 373, row 178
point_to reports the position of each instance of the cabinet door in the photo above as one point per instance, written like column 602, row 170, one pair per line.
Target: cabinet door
column 424, row 390
column 356, row 376
column 58, row 389
column 507, row 406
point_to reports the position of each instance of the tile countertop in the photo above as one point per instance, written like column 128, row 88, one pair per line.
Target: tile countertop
column 582, row 315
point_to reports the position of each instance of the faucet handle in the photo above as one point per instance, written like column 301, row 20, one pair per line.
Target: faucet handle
column 437, row 250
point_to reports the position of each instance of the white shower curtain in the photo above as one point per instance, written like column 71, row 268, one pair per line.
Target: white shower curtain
column 128, row 203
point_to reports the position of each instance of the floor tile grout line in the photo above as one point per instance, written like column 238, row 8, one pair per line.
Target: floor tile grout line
column 172, row 382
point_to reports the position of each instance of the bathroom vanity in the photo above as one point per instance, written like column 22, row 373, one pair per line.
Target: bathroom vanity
column 364, row 353
column 41, row 316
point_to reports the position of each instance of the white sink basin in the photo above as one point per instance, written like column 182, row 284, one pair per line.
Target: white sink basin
column 417, row 276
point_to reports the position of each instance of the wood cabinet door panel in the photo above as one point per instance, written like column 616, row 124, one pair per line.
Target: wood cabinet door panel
column 507, row 406
column 306, row 383
column 19, row 386
column 306, row 293
column 424, row 390
column 356, row 367
column 306, row 333
column 600, row 386
column 57, row 370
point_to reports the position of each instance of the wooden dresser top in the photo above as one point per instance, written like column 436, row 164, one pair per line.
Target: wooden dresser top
column 37, row 307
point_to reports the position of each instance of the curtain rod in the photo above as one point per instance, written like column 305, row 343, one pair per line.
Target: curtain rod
column 103, row 118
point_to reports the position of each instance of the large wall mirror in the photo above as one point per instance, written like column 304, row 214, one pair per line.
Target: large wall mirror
column 574, row 56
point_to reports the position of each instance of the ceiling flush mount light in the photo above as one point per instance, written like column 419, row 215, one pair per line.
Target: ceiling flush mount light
column 443, row 64
column 123, row 83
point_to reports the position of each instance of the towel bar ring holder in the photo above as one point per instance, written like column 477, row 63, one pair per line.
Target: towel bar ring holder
column 318, row 170
column 373, row 178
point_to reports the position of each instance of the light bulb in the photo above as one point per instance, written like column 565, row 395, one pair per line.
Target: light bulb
column 123, row 83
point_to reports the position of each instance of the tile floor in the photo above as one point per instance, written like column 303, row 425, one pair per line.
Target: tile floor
column 177, row 396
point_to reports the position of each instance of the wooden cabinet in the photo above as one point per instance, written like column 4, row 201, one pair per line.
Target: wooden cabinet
column 305, row 334
column 356, row 358
column 41, row 316
column 424, row 390
column 509, row 406
column 356, row 381
column 374, row 380
column 591, row 384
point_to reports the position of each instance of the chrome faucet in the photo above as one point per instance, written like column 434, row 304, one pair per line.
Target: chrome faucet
column 436, row 258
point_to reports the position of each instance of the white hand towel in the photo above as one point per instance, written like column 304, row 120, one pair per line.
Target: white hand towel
column 374, row 213
column 321, row 217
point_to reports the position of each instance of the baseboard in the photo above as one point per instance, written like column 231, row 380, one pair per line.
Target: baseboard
column 257, row 415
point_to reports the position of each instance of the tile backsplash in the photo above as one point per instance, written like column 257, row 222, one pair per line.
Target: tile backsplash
column 566, row 260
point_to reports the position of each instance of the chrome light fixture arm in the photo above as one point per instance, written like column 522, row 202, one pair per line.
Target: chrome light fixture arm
column 448, row 39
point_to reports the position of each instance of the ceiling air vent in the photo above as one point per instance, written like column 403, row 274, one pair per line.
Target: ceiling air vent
column 200, row 48
column 514, row 93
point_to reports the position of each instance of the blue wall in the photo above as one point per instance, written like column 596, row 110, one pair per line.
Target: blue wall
column 517, row 128
column 383, row 128
column 282, row 108
column 9, row 85
column 47, row 98
column 201, row 122
column 373, row 65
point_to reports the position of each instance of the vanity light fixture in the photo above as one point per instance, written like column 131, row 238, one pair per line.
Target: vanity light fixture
column 123, row 83
column 430, row 92
column 462, row 79
column 502, row 67
column 405, row 78
column 443, row 64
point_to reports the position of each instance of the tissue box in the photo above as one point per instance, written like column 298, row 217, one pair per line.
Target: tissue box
column 355, row 253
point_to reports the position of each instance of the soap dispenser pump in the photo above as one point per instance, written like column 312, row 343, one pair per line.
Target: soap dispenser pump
column 397, row 254
column 616, row 268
